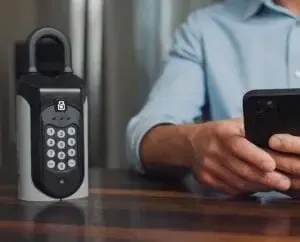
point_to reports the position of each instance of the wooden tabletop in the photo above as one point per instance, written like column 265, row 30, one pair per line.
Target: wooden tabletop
column 123, row 207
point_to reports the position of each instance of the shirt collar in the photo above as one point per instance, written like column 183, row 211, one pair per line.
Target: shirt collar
column 245, row 8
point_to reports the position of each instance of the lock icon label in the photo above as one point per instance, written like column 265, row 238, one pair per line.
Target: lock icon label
column 61, row 105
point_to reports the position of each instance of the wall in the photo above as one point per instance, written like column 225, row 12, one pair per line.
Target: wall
column 17, row 18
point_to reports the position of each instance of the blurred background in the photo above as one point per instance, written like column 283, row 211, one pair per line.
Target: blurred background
column 119, row 47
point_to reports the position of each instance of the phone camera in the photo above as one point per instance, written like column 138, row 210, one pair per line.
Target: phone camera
column 265, row 106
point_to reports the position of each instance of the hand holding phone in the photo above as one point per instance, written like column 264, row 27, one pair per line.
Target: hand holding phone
column 227, row 161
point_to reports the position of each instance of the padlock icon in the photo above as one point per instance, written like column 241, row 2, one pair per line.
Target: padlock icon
column 61, row 106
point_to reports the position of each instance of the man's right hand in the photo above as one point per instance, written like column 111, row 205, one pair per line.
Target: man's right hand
column 227, row 162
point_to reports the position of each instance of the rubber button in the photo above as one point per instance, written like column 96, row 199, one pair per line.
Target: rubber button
column 61, row 166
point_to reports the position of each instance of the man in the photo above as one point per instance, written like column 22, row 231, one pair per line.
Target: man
column 219, row 54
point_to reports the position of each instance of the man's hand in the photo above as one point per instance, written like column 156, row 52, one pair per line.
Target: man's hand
column 228, row 162
column 288, row 157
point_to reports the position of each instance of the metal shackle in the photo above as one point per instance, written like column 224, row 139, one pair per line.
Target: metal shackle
column 48, row 32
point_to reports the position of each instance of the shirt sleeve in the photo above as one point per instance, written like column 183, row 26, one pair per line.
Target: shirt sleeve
column 178, row 95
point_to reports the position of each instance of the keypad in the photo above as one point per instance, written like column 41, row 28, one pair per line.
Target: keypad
column 61, row 148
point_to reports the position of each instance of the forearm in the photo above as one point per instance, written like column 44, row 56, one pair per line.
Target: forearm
column 166, row 150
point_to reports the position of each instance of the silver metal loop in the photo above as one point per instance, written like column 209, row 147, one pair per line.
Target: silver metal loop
column 48, row 32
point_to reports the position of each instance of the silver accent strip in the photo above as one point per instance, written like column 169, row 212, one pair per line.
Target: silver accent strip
column 59, row 90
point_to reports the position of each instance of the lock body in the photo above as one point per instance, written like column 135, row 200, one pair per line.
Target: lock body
column 52, row 130
column 52, row 138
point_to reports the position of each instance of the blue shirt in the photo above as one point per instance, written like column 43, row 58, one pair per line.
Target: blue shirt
column 220, row 53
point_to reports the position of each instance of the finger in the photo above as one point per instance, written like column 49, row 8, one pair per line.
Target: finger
column 206, row 178
column 230, row 178
column 289, row 164
column 295, row 184
column 273, row 179
column 285, row 143
column 255, row 156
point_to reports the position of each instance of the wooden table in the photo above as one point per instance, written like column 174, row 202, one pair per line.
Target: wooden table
column 126, row 207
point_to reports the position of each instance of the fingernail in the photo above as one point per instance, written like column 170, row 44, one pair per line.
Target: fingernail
column 284, row 184
column 276, row 141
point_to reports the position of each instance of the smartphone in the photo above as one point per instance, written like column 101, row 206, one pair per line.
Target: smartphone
column 271, row 111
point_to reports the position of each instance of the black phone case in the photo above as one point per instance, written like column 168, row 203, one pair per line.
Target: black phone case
column 269, row 112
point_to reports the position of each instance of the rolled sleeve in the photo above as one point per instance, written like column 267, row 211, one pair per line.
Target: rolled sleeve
column 138, row 128
column 178, row 95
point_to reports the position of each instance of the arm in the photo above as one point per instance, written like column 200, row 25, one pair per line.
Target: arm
column 153, row 137
column 166, row 150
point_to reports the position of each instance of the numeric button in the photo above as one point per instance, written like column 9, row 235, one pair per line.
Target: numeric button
column 71, row 163
column 71, row 141
column 51, row 153
column 50, row 131
column 50, row 142
column 71, row 131
column 61, row 144
column 61, row 166
column 71, row 152
column 61, row 155
column 61, row 134
column 50, row 164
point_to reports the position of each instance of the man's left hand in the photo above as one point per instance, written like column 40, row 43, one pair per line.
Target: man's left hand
column 287, row 157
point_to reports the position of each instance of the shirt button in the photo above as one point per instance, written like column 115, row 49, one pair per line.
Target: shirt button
column 297, row 73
